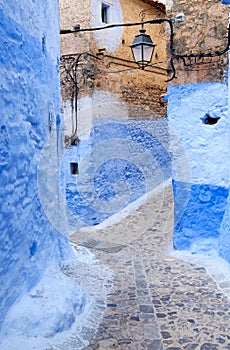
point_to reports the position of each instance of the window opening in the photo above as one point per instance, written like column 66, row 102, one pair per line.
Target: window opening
column 74, row 168
column 207, row 119
column 179, row 19
column 105, row 13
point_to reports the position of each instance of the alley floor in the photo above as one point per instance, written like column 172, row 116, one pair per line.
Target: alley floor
column 157, row 301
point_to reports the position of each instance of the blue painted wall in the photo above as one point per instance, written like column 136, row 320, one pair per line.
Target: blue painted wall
column 30, row 132
column 203, row 214
column 225, row 233
column 225, row 226
column 121, row 161
column 200, row 165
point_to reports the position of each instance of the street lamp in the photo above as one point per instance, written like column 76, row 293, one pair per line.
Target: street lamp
column 143, row 46
column 142, row 49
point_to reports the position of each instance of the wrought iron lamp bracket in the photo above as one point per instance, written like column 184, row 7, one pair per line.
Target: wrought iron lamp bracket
column 173, row 55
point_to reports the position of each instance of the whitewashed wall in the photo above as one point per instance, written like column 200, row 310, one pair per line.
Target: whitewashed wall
column 33, row 227
column 201, row 187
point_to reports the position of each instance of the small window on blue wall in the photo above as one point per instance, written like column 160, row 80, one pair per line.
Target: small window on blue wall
column 210, row 120
column 104, row 13
column 74, row 168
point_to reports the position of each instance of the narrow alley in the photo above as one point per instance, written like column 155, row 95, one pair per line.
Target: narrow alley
column 157, row 301
column 114, row 175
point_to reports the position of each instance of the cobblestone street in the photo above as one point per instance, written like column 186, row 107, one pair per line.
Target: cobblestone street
column 157, row 302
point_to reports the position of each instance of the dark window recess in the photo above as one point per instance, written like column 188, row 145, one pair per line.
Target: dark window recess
column 105, row 13
column 74, row 168
column 44, row 44
column 77, row 27
column 210, row 120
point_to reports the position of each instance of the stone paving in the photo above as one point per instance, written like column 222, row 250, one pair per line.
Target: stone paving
column 157, row 301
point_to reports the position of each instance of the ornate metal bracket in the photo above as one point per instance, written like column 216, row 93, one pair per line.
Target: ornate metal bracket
column 187, row 59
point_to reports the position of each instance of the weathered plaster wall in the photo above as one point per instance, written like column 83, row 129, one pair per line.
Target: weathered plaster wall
column 109, row 39
column 140, row 91
column 225, row 233
column 119, row 162
column 30, row 149
column 201, row 190
column 225, row 227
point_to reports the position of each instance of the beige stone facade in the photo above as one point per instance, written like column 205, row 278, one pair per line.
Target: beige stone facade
column 107, row 66
column 109, row 70
column 200, row 26
column 73, row 13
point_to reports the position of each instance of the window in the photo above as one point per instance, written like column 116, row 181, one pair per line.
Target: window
column 179, row 19
column 74, row 168
column 105, row 13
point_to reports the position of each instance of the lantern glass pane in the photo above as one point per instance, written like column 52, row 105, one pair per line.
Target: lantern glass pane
column 142, row 53
column 148, row 50
column 137, row 53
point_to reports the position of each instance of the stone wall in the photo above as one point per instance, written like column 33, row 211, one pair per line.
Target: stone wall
column 200, row 26
column 72, row 14
column 140, row 90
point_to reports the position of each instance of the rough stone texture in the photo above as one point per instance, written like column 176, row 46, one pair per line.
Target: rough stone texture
column 157, row 301
column 140, row 90
column 70, row 13
column 203, row 30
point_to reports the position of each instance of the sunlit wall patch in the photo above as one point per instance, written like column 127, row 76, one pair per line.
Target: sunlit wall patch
column 104, row 12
